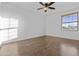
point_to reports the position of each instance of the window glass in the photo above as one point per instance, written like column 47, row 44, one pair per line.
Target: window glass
column 13, row 23
column 8, row 29
column 69, row 22
column 12, row 34
column 4, row 23
column 3, row 35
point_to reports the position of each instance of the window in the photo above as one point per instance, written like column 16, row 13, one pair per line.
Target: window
column 70, row 21
column 8, row 29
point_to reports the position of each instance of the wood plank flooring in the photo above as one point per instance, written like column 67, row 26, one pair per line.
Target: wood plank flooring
column 45, row 46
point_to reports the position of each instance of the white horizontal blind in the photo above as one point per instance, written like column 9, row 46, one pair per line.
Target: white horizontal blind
column 8, row 29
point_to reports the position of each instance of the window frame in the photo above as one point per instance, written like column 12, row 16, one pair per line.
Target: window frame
column 68, row 22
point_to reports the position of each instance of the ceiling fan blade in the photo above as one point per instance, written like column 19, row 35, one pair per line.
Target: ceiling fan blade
column 51, row 7
column 40, row 8
column 41, row 3
column 51, row 3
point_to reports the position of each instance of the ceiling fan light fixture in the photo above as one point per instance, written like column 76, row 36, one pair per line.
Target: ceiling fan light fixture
column 46, row 6
column 45, row 9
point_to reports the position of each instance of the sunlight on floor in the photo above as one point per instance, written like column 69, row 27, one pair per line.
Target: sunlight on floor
column 68, row 50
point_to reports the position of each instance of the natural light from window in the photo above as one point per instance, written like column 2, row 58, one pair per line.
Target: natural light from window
column 8, row 29
column 69, row 22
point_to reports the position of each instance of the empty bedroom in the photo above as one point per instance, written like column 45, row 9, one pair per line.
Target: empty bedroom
column 39, row 28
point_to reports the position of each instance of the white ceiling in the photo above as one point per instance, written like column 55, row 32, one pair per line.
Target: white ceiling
column 32, row 6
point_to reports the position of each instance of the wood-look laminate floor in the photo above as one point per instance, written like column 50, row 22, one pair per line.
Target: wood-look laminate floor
column 62, row 47
column 43, row 46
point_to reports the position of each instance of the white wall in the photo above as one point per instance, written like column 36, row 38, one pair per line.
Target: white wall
column 54, row 25
column 33, row 24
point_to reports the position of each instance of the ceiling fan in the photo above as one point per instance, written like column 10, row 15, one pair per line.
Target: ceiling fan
column 46, row 6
